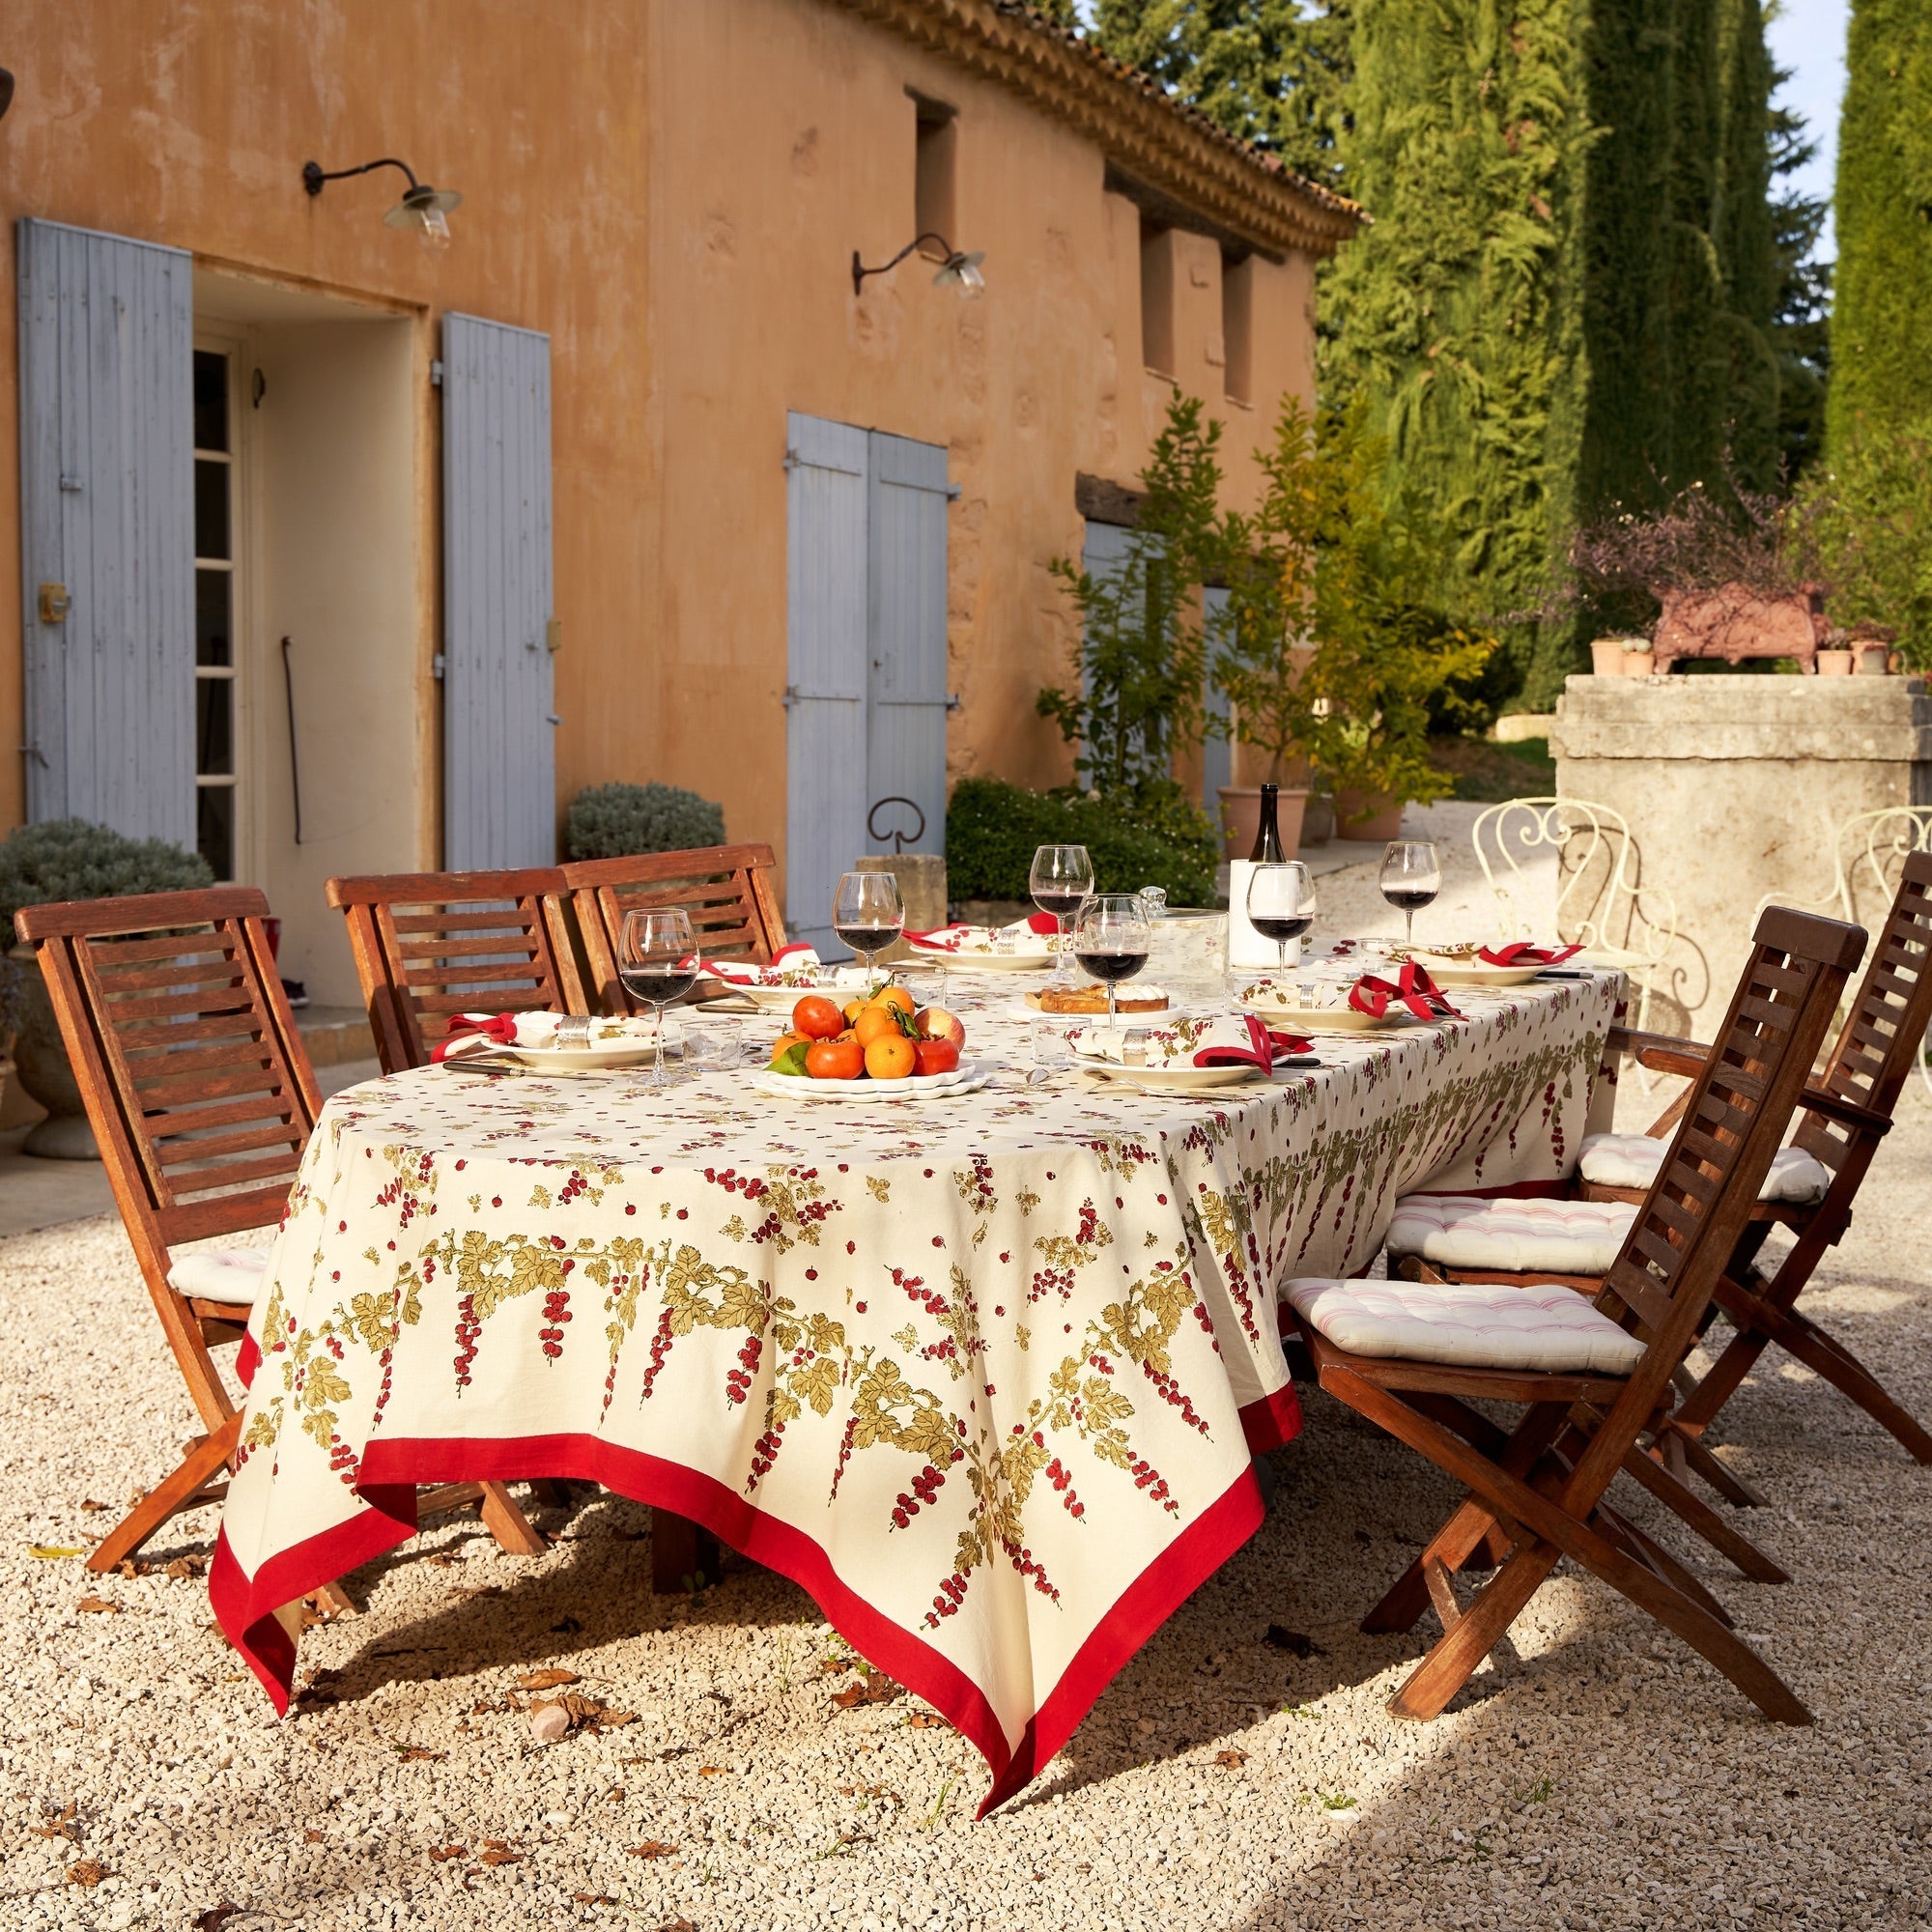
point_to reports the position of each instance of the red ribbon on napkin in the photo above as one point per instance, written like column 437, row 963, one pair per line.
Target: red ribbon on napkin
column 502, row 1027
column 1523, row 954
column 1266, row 1044
column 1415, row 990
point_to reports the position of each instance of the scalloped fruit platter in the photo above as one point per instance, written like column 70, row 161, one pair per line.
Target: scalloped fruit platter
column 883, row 1048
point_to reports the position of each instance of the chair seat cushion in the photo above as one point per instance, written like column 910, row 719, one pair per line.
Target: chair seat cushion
column 1463, row 1231
column 220, row 1274
column 1469, row 1324
column 1797, row 1178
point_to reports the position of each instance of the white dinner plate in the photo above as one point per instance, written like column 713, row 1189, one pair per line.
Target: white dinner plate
column 990, row 962
column 968, row 1077
column 1167, row 1079
column 1446, row 972
column 780, row 999
column 1327, row 1019
column 591, row 1059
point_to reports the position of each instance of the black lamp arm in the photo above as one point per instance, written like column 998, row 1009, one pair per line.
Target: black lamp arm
column 313, row 175
column 860, row 272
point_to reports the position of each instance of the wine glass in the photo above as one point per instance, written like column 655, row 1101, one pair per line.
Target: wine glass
column 658, row 965
column 1411, row 877
column 1061, row 882
column 866, row 914
column 1281, row 903
column 1111, row 942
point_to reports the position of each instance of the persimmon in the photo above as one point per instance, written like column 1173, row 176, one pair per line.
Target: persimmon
column 934, row 1056
column 835, row 1059
column 889, row 1057
column 817, row 1018
column 894, row 996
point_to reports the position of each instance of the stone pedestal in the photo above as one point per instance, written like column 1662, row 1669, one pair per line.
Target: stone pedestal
column 1733, row 788
column 922, row 877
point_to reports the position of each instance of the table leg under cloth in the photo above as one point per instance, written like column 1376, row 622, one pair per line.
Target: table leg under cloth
column 984, row 1379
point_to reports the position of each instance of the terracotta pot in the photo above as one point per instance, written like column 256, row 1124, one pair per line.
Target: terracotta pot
column 1372, row 815
column 1606, row 658
column 1639, row 663
column 1834, row 663
column 1241, row 818
column 42, row 1067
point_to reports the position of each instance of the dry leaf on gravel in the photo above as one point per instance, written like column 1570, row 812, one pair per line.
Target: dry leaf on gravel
column 50, row 1552
column 592, row 1898
column 855, row 1836
column 547, row 1680
column 438, row 1854
column 313, row 1838
column 88, row 1872
column 878, row 1791
column 444, row 1559
column 924, row 1721
column 1231, row 1760
column 1299, row 1642
column 713, row 1771
column 652, row 1848
column 869, row 1687
column 98, row 1607
column 131, row 1567
column 497, row 1852
column 216, row 1917
column 184, row 1567
column 677, row 1925
column 419, row 1754
column 59, row 1825
column 89, row 1505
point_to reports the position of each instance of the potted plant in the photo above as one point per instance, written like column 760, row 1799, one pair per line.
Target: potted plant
column 40, row 864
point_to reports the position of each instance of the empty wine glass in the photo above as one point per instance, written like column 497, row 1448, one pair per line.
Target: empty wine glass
column 1061, row 882
column 866, row 914
column 657, row 964
column 1110, row 943
column 1411, row 877
column 1281, row 903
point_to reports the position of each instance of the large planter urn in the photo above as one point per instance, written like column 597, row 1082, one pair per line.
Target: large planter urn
column 39, row 1060
column 1367, row 814
column 1241, row 818
column 1735, row 622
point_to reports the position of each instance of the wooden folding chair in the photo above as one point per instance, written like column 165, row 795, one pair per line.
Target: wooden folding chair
column 430, row 944
column 1592, row 1378
column 202, row 1101
column 726, row 890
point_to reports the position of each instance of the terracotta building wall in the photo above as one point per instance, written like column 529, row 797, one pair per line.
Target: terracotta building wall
column 672, row 190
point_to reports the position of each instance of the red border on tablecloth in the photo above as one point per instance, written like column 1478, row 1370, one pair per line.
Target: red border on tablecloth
column 245, row 1606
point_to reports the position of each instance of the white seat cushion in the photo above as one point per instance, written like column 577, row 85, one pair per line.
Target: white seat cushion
column 1632, row 1160
column 1469, row 1324
column 1463, row 1231
column 233, row 1275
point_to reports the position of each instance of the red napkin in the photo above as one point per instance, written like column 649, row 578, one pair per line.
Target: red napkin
column 1266, row 1045
column 784, row 952
column 1523, row 953
column 465, row 1027
column 1415, row 990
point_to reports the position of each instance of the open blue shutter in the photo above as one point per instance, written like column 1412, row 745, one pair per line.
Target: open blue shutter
column 827, row 599
column 906, row 720
column 1217, row 754
column 499, row 752
column 107, row 510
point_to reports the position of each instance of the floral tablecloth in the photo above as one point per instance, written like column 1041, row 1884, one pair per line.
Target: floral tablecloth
column 983, row 1376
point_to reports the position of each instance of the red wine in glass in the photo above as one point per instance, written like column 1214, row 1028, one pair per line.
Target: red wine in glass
column 1061, row 902
column 1282, row 928
column 868, row 939
column 1111, row 967
column 1406, row 898
column 658, row 986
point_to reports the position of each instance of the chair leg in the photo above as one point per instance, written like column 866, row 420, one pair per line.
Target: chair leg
column 1409, row 1595
column 1723, row 1379
column 680, row 1553
column 508, row 1525
column 1474, row 1634
column 1693, row 1510
column 1720, row 1476
column 175, row 1492
column 1802, row 1338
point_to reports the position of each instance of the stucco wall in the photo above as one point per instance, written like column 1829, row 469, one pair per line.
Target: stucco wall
column 672, row 192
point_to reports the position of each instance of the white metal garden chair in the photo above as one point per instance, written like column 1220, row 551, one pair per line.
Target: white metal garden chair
column 1867, row 850
column 1600, row 903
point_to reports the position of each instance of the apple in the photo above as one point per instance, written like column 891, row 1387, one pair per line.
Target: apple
column 934, row 1056
column 937, row 1023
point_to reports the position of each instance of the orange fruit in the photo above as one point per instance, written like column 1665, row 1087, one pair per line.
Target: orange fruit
column 852, row 1010
column 889, row 1057
column 815, row 1016
column 875, row 1023
column 894, row 996
column 835, row 1059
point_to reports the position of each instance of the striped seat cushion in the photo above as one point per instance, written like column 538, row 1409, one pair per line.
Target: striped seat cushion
column 220, row 1274
column 1462, row 1231
column 1467, row 1325
column 1797, row 1178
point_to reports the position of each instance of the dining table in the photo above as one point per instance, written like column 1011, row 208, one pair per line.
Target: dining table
column 985, row 1373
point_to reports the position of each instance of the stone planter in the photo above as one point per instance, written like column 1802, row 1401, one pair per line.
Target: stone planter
column 1241, row 819
column 1834, row 663
column 41, row 1063
column 1871, row 660
column 1371, row 816
column 1734, row 622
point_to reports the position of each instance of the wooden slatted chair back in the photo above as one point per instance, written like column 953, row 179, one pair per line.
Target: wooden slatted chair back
column 430, row 944
column 725, row 890
column 197, row 1084
column 1738, row 1107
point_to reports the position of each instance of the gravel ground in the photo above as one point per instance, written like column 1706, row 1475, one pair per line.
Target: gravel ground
column 1597, row 1776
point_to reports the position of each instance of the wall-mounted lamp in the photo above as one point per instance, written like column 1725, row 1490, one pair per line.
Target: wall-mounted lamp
column 422, row 207
column 956, row 271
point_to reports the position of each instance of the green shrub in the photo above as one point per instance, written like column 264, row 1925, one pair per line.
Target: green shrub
column 613, row 821
column 70, row 859
column 1159, row 838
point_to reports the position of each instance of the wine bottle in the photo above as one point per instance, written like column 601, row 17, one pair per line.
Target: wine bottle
column 1267, row 835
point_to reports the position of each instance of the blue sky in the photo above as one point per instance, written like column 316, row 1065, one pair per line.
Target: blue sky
column 1808, row 36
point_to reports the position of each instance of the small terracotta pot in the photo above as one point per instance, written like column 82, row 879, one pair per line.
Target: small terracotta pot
column 1606, row 658
column 1372, row 815
column 1834, row 663
column 1241, row 818
column 1639, row 663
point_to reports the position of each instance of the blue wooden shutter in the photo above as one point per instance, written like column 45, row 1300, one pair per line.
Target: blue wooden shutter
column 1217, row 754
column 107, row 509
column 827, row 599
column 906, row 718
column 499, row 752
